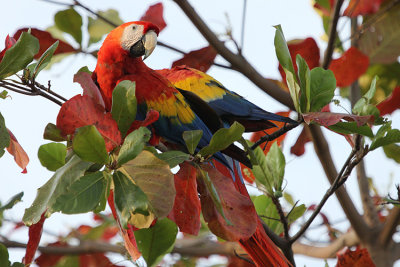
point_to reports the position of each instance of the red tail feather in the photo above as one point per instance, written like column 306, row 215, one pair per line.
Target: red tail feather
column 259, row 246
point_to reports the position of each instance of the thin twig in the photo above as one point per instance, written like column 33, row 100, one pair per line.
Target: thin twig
column 30, row 90
column 47, row 89
column 332, row 34
column 341, row 178
column 274, row 135
column 283, row 218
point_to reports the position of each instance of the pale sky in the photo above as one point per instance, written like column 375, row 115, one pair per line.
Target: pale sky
column 27, row 116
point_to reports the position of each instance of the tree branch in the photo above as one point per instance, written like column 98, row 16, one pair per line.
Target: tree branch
column 322, row 149
column 202, row 247
column 32, row 90
column 332, row 34
column 370, row 212
column 274, row 135
column 389, row 227
column 346, row 240
column 237, row 61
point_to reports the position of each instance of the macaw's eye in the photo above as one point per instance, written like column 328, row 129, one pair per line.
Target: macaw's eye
column 133, row 27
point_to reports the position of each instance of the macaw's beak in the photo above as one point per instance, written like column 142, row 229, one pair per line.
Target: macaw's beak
column 145, row 46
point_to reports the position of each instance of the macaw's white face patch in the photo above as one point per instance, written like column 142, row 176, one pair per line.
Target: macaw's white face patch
column 131, row 35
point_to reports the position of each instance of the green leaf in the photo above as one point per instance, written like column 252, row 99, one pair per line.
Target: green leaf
column 296, row 213
column 282, row 50
column 104, row 197
column 4, row 135
column 223, row 138
column 322, row 88
column 97, row 28
column 192, row 139
column 156, row 241
column 385, row 136
column 276, row 165
column 214, row 194
column 350, row 128
column 3, row 94
column 49, row 192
column 261, row 171
column 84, row 69
column 4, row 256
column 305, row 80
column 44, row 60
column 294, row 89
column 382, row 45
column 19, row 55
column 268, row 213
column 70, row 21
column 173, row 158
column 362, row 106
column 52, row 155
column 51, row 132
column 389, row 78
column 289, row 198
column 129, row 198
column 155, row 179
column 89, row 145
column 123, row 108
column 83, row 195
column 11, row 203
column 133, row 144
column 392, row 151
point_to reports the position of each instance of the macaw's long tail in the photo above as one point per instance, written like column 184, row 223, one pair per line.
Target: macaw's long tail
column 262, row 250
column 259, row 246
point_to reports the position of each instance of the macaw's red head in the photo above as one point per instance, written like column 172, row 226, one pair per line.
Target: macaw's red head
column 137, row 38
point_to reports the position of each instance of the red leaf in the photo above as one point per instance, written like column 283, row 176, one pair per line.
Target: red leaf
column 154, row 14
column 247, row 174
column 307, row 48
column 10, row 41
column 109, row 233
column 127, row 234
column 80, row 111
column 200, row 59
column 299, row 147
column 329, row 118
column 358, row 258
column 46, row 40
column 50, row 260
column 35, row 233
column 257, row 135
column 391, row 103
column 95, row 260
column 325, row 10
column 362, row 7
column 187, row 207
column 15, row 149
column 84, row 229
column 238, row 209
column 349, row 67
column 89, row 87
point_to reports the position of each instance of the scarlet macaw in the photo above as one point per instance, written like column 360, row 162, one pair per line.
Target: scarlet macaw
column 228, row 105
column 120, row 58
